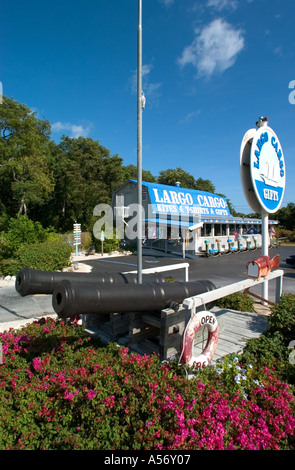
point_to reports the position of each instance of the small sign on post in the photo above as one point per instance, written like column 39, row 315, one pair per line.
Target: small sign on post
column 77, row 237
column 102, row 240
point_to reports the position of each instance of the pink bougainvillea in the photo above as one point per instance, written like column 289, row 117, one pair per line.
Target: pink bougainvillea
column 59, row 390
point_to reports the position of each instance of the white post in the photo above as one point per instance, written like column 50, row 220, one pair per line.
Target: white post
column 265, row 252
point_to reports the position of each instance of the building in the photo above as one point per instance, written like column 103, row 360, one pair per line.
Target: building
column 187, row 220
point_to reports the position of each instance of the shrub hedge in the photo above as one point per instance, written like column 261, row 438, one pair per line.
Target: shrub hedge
column 47, row 256
column 237, row 301
column 27, row 243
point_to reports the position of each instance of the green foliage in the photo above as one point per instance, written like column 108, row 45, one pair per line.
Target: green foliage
column 27, row 243
column 185, row 179
column 282, row 318
column 47, row 256
column 272, row 348
column 237, row 301
column 21, row 231
column 25, row 179
column 286, row 216
column 86, row 240
column 109, row 244
column 130, row 173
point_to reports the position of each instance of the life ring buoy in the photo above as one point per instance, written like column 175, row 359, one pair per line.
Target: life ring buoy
column 199, row 319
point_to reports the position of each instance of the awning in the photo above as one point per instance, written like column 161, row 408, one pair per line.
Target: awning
column 176, row 222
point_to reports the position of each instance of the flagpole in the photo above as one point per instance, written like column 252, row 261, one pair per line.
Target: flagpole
column 139, row 144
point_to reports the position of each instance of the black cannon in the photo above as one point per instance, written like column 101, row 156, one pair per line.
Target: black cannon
column 34, row 281
column 73, row 298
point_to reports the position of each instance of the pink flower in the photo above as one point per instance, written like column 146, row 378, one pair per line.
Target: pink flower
column 68, row 396
column 90, row 394
column 37, row 363
column 110, row 401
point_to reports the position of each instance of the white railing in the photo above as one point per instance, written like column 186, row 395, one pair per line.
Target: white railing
column 161, row 269
column 191, row 303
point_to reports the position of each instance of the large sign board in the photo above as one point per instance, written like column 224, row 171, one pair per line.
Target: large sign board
column 175, row 200
column 262, row 169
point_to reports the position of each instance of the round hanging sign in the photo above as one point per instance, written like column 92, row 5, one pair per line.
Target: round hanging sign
column 267, row 169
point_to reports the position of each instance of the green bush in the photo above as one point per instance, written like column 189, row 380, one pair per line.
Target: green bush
column 238, row 301
column 86, row 240
column 272, row 348
column 27, row 243
column 47, row 256
column 20, row 231
column 282, row 318
column 109, row 245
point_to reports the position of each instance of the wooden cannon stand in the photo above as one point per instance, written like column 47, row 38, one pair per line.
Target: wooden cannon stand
column 161, row 332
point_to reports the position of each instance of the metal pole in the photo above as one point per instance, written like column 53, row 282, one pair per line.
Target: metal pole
column 265, row 252
column 139, row 144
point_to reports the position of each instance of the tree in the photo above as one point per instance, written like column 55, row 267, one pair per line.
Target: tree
column 286, row 216
column 230, row 206
column 205, row 185
column 85, row 175
column 130, row 172
column 25, row 179
column 170, row 177
column 185, row 179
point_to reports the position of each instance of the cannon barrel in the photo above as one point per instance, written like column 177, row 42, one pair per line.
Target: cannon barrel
column 70, row 298
column 33, row 281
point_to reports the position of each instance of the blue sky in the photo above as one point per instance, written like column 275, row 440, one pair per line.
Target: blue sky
column 210, row 69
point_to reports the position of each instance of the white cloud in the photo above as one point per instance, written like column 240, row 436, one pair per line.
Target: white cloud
column 75, row 130
column 221, row 4
column 151, row 90
column 167, row 2
column 214, row 49
column 189, row 117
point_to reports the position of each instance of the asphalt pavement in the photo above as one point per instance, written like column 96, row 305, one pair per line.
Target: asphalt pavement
column 222, row 270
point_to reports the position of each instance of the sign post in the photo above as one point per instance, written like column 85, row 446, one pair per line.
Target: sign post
column 102, row 240
column 263, row 176
column 77, row 236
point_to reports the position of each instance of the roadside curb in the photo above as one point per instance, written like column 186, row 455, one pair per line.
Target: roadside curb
column 15, row 325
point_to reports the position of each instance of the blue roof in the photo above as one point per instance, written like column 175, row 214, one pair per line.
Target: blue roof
column 167, row 199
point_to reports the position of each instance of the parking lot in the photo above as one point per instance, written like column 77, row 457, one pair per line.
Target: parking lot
column 221, row 270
